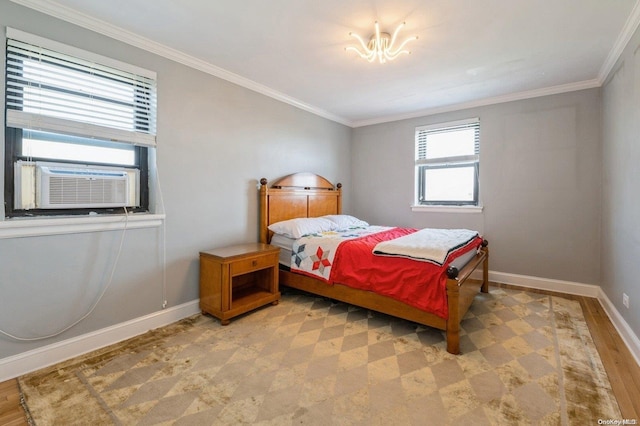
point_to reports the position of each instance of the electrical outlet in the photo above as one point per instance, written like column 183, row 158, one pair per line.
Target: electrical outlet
column 625, row 300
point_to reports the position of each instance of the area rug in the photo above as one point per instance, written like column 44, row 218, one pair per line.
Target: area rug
column 527, row 358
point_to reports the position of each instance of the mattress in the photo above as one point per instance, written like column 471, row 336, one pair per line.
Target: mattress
column 286, row 245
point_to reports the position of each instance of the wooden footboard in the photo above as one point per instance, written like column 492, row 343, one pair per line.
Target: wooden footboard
column 461, row 290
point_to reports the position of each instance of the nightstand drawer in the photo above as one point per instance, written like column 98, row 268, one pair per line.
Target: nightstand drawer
column 253, row 264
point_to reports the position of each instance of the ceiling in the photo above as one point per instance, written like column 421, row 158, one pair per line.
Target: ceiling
column 468, row 52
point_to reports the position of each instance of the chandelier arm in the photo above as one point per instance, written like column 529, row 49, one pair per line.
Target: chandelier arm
column 362, row 43
column 395, row 34
column 355, row 49
column 370, row 56
column 400, row 48
column 392, row 55
column 378, row 44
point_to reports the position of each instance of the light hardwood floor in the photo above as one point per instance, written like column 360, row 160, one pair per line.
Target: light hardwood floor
column 11, row 413
column 621, row 367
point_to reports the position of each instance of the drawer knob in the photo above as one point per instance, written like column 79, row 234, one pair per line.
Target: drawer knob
column 254, row 263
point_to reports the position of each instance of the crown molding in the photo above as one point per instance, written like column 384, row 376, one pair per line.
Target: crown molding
column 67, row 14
column 546, row 91
column 624, row 37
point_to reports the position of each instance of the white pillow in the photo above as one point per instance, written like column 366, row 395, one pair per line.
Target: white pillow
column 344, row 221
column 296, row 228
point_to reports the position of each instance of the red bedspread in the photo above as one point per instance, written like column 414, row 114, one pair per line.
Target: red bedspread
column 419, row 284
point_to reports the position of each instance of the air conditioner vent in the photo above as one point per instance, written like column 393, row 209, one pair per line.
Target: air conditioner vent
column 60, row 187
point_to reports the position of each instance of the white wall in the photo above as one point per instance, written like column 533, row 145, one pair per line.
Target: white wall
column 539, row 183
column 215, row 141
column 621, row 184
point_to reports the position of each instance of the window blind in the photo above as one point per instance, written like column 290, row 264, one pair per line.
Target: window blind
column 422, row 142
column 51, row 90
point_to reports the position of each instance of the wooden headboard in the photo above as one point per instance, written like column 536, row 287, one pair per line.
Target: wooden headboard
column 294, row 196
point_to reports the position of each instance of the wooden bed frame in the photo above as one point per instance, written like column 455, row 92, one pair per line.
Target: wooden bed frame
column 310, row 195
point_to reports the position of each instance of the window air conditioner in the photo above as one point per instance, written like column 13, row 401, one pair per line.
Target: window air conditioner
column 64, row 187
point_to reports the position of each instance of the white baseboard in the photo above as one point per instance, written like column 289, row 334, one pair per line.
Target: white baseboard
column 567, row 287
column 627, row 335
column 36, row 359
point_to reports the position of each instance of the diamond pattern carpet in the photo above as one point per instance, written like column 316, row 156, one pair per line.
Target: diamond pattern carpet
column 527, row 358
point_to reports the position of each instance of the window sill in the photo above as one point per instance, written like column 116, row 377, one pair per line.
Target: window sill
column 447, row 209
column 34, row 227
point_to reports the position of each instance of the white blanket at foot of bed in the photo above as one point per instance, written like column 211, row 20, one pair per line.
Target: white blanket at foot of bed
column 428, row 245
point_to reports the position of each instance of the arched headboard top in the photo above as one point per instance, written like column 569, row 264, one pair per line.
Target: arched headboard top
column 303, row 180
column 297, row 195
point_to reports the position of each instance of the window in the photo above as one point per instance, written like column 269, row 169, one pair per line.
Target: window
column 78, row 132
column 447, row 163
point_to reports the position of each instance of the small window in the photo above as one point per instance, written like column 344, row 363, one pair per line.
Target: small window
column 78, row 125
column 447, row 163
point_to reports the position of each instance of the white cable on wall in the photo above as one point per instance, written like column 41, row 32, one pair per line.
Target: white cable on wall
column 91, row 309
column 164, row 239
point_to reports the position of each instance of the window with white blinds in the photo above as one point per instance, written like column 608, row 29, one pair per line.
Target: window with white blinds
column 447, row 163
column 77, row 93
column 81, row 114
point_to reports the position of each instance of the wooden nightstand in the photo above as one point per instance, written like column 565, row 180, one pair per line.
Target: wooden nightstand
column 238, row 279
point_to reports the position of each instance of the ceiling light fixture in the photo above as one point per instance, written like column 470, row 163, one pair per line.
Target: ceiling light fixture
column 381, row 45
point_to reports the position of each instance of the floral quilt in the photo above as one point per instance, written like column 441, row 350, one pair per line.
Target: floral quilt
column 314, row 254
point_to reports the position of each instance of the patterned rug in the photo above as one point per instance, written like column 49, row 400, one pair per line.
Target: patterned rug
column 527, row 358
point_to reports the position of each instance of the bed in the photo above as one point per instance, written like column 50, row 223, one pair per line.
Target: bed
column 307, row 195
